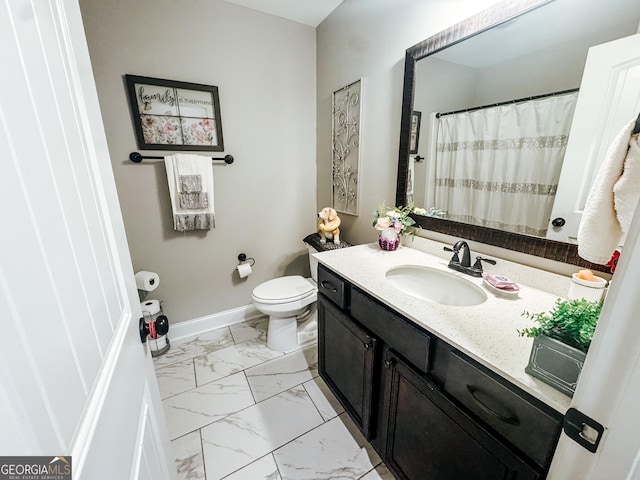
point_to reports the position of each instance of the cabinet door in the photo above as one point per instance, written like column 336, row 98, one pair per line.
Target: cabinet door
column 347, row 356
column 427, row 436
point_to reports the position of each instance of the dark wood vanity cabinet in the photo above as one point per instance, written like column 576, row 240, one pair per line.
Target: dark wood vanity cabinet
column 346, row 359
column 427, row 436
column 430, row 411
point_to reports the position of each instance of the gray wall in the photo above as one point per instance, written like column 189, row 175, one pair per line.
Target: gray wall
column 367, row 39
column 550, row 69
column 275, row 79
column 265, row 69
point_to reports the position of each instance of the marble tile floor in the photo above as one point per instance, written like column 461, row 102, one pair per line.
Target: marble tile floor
column 239, row 411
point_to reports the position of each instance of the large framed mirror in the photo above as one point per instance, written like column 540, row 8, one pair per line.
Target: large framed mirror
column 518, row 56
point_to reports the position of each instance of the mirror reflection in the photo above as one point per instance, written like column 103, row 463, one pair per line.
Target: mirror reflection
column 497, row 111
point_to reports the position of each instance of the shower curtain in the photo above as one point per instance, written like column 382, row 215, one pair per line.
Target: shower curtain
column 498, row 167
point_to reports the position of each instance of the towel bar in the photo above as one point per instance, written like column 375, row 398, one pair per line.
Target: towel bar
column 136, row 157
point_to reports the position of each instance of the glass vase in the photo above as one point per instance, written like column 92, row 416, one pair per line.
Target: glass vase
column 389, row 239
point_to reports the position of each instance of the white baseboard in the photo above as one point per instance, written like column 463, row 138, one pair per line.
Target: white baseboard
column 197, row 326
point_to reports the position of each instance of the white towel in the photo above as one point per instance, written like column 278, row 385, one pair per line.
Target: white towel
column 411, row 174
column 190, row 179
column 626, row 191
column 607, row 215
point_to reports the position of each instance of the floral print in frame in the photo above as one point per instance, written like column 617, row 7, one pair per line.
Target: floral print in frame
column 172, row 115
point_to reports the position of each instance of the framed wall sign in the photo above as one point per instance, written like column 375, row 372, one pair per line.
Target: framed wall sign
column 171, row 115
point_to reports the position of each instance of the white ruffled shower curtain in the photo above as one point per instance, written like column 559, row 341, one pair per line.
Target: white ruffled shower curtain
column 498, row 167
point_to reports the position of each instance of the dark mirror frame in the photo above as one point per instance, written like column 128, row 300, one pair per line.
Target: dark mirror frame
column 486, row 19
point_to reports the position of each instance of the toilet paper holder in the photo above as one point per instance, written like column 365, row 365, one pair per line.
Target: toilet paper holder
column 242, row 258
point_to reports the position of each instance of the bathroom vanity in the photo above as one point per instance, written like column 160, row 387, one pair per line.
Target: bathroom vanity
column 439, row 390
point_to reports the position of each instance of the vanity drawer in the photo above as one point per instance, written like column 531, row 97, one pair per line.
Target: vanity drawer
column 531, row 429
column 407, row 340
column 332, row 286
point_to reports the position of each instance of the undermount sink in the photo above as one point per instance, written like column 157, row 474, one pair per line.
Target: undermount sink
column 436, row 286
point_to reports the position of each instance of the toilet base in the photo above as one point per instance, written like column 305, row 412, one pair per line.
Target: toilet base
column 282, row 333
column 290, row 333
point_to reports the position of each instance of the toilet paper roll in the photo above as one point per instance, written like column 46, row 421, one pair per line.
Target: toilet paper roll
column 147, row 281
column 244, row 269
column 157, row 343
column 150, row 307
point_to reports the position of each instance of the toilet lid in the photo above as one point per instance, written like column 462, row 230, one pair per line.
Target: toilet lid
column 283, row 289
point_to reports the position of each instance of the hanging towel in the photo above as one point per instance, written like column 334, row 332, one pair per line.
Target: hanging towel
column 612, row 199
column 190, row 179
column 411, row 174
column 626, row 191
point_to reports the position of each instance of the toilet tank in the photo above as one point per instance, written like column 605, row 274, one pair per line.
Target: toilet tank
column 313, row 262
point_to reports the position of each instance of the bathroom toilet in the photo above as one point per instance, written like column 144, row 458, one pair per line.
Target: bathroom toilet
column 290, row 303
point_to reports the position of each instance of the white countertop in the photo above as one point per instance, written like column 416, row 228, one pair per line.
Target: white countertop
column 486, row 332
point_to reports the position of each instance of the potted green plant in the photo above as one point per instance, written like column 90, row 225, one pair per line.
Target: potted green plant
column 561, row 342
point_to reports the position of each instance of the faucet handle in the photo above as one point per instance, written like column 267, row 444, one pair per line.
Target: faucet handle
column 479, row 260
column 454, row 258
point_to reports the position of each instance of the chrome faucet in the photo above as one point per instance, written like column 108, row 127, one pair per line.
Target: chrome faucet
column 464, row 265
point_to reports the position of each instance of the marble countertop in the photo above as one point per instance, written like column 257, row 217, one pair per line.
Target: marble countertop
column 487, row 332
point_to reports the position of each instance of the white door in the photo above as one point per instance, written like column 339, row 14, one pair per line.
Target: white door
column 74, row 376
column 608, row 390
column 609, row 98
column 609, row 387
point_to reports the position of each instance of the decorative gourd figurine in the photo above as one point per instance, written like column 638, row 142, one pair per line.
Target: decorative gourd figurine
column 328, row 225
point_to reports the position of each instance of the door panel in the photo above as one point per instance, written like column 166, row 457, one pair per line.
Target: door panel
column 609, row 98
column 73, row 373
column 429, row 437
column 347, row 357
column 609, row 386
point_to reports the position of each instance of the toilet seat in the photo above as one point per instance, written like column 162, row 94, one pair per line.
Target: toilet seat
column 283, row 290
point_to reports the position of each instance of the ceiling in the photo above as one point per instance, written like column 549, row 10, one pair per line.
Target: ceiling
column 308, row 12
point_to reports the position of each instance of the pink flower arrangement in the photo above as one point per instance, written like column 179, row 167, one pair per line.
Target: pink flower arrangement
column 382, row 223
column 397, row 218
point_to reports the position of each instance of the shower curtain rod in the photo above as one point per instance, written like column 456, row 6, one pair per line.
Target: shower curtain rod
column 507, row 102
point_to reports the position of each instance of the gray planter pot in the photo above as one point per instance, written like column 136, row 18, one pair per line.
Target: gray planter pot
column 555, row 363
